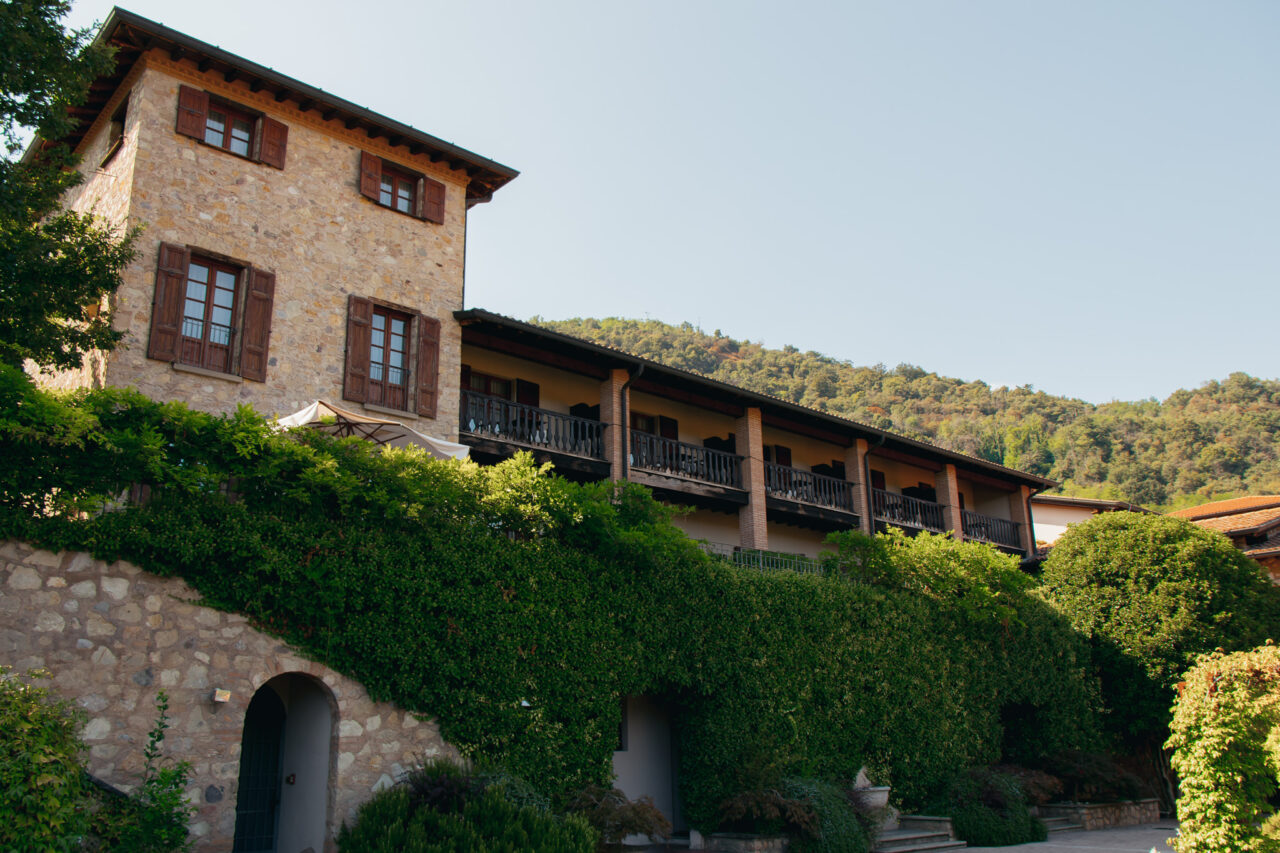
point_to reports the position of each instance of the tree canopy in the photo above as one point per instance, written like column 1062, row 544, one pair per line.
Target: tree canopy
column 1216, row 441
column 55, row 265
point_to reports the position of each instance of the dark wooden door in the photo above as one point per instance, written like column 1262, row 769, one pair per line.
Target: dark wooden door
column 258, row 800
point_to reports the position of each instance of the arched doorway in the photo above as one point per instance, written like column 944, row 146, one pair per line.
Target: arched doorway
column 283, row 793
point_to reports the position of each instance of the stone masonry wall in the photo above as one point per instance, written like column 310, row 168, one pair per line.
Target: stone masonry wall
column 306, row 223
column 112, row 635
column 1105, row 815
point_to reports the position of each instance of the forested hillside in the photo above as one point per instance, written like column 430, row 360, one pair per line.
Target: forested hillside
column 1219, row 440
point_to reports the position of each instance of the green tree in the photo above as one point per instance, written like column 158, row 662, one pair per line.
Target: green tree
column 1153, row 592
column 55, row 265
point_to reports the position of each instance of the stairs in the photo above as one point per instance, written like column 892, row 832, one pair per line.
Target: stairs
column 918, row 833
column 1061, row 824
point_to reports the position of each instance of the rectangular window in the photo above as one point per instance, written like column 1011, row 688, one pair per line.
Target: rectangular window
column 211, row 313
column 401, row 190
column 389, row 359
column 231, row 127
column 393, row 357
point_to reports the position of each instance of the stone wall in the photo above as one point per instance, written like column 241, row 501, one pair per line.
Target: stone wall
column 112, row 635
column 307, row 223
column 1105, row 815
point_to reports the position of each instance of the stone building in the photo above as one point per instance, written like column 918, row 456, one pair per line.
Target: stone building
column 297, row 247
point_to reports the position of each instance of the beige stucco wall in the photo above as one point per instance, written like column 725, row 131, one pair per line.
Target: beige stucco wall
column 306, row 223
column 790, row 539
column 557, row 389
column 805, row 452
column 113, row 635
column 695, row 424
column 898, row 475
column 717, row 527
column 1051, row 521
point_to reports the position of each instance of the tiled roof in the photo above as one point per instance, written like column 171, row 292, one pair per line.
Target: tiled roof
column 1228, row 507
column 1240, row 521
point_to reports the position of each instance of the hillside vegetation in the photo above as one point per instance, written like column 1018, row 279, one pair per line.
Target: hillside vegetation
column 1219, row 440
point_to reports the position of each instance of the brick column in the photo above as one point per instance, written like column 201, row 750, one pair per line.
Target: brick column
column 855, row 471
column 1019, row 513
column 948, row 489
column 611, row 412
column 752, row 519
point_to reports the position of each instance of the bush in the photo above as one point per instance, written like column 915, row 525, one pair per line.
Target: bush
column 989, row 809
column 841, row 828
column 1226, row 741
column 615, row 817
column 41, row 781
column 392, row 823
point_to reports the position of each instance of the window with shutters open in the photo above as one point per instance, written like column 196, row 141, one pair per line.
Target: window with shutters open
column 399, row 189
column 393, row 357
column 231, row 127
column 211, row 313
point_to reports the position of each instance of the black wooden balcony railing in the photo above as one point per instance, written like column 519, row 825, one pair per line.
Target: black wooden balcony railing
column 997, row 531
column 503, row 420
column 806, row 487
column 906, row 511
column 766, row 561
column 667, row 456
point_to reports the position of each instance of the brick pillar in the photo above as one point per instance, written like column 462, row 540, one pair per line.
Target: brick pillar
column 855, row 471
column 611, row 412
column 752, row 519
column 1020, row 514
column 948, row 489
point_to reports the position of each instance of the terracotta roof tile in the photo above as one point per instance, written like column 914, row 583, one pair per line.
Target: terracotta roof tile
column 1233, row 505
column 1239, row 520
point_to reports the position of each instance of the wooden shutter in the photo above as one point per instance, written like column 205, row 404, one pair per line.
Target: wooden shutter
column 193, row 111
column 782, row 455
column 428, row 365
column 166, row 305
column 877, row 480
column 355, row 382
column 431, row 199
column 370, row 175
column 466, row 377
column 256, row 334
column 527, row 393
column 668, row 428
column 273, row 139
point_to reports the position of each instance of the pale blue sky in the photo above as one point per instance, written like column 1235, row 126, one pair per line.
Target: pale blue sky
column 1080, row 196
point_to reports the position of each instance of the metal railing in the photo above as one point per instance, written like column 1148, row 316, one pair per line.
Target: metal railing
column 517, row 423
column 806, row 487
column 667, row 456
column 766, row 561
column 905, row 511
column 985, row 528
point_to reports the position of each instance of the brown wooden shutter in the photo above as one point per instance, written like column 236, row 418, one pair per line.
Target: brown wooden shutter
column 428, row 365
column 528, row 393
column 668, row 428
column 166, row 305
column 877, row 480
column 355, row 384
column 370, row 175
column 432, row 195
column 782, row 455
column 466, row 377
column 256, row 334
column 273, row 140
column 193, row 111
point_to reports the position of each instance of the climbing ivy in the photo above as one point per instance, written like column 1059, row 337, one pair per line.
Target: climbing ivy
column 516, row 607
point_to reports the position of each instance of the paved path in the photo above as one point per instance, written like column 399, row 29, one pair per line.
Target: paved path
column 1131, row 839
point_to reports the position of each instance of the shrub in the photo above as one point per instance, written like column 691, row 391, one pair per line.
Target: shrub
column 391, row 822
column 615, row 817
column 1095, row 777
column 41, row 781
column 841, row 828
column 1226, row 741
column 989, row 809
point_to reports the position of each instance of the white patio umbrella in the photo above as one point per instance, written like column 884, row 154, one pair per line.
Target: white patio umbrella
column 341, row 422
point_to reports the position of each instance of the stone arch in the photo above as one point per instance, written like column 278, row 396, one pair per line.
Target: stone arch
column 285, row 789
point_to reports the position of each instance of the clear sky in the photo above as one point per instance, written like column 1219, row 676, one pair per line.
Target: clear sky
column 1080, row 195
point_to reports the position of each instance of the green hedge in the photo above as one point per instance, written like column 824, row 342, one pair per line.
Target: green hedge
column 516, row 607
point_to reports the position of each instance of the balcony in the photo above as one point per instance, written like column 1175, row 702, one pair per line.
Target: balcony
column 688, row 461
column 907, row 512
column 997, row 531
column 766, row 561
column 806, row 487
column 496, row 426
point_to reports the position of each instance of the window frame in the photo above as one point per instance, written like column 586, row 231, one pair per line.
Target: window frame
column 428, row 196
column 380, row 388
column 230, row 112
column 268, row 138
column 422, row 352
column 204, row 349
